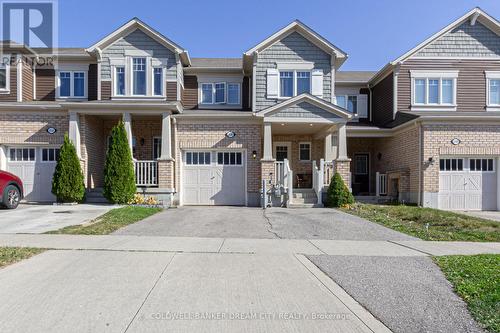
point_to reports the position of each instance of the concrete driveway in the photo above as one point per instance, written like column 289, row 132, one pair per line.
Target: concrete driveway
column 42, row 218
column 248, row 222
column 489, row 215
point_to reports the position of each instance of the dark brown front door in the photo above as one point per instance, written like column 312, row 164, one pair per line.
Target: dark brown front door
column 361, row 179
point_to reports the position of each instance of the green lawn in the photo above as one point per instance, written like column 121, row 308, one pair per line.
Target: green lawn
column 428, row 223
column 477, row 280
column 10, row 255
column 111, row 221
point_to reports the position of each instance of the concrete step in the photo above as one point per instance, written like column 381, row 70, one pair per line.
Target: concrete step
column 96, row 200
column 305, row 205
column 95, row 196
column 305, row 200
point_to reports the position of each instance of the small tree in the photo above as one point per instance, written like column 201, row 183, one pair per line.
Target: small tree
column 119, row 176
column 67, row 182
column 338, row 194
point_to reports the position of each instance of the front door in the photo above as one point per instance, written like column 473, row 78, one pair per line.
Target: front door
column 361, row 181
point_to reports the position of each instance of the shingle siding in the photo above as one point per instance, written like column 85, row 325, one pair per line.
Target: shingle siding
column 464, row 41
column 137, row 40
column 293, row 48
column 304, row 110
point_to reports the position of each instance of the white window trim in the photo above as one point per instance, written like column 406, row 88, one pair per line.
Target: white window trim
column 288, row 144
column 239, row 93
column 22, row 161
column 481, row 158
column 205, row 80
column 229, row 165
column 147, row 79
column 153, row 145
column 434, row 75
column 114, row 81
column 4, row 57
column 295, row 66
column 294, row 78
column 491, row 75
column 310, row 150
column 48, row 148
column 72, row 83
column 214, row 92
column 163, row 85
column 346, row 100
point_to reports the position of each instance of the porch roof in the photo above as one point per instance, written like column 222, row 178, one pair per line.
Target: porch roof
column 305, row 108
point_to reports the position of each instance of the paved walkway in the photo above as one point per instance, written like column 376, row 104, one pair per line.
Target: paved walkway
column 248, row 246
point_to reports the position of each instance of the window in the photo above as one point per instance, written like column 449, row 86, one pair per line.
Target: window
column 478, row 164
column 158, row 81
column 229, row 158
column 206, row 93
column 281, row 153
column 72, row 84
column 65, row 89
column 4, row 76
column 494, row 92
column 233, row 93
column 220, row 93
column 361, row 164
column 79, row 84
column 156, row 148
column 21, row 154
column 433, row 89
column 303, row 82
column 50, row 154
column 120, row 81
column 198, row 158
column 451, row 164
column 139, row 76
column 305, row 151
column 348, row 102
column 293, row 83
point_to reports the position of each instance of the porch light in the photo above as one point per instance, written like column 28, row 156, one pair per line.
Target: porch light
column 282, row 124
column 311, row 125
column 254, row 154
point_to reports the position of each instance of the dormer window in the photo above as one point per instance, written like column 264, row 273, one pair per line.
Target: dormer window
column 434, row 90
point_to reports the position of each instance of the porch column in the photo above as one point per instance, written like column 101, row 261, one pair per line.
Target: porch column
column 330, row 148
column 74, row 132
column 268, row 142
column 166, row 162
column 127, row 121
column 342, row 141
column 166, row 137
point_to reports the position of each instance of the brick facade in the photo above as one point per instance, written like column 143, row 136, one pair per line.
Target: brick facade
column 343, row 167
column 31, row 127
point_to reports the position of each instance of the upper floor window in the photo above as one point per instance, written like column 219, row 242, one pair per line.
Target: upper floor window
column 348, row 102
column 72, row 84
column 4, row 76
column 139, row 76
column 120, row 81
column 492, row 91
column 433, row 89
column 221, row 93
column 158, row 81
column 293, row 83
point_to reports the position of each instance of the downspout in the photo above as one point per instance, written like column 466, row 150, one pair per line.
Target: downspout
column 395, row 74
column 420, row 161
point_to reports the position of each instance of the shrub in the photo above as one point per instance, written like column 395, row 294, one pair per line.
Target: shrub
column 338, row 194
column 119, row 176
column 67, row 182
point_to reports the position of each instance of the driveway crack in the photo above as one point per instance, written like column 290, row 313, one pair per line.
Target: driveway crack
column 149, row 293
column 270, row 229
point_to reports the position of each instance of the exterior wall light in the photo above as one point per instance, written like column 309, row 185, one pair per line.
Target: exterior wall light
column 254, row 154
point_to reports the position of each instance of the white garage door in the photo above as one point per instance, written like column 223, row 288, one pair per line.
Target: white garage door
column 213, row 178
column 35, row 166
column 467, row 184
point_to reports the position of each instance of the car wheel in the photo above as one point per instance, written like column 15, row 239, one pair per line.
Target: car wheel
column 11, row 197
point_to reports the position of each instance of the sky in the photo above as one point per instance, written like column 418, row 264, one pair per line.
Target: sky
column 371, row 32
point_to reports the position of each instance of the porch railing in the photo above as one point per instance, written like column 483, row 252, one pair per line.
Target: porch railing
column 146, row 173
column 328, row 172
column 279, row 172
column 317, row 179
column 288, row 181
column 381, row 184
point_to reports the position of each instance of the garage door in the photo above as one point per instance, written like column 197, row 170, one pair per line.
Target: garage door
column 213, row 178
column 35, row 166
column 467, row 184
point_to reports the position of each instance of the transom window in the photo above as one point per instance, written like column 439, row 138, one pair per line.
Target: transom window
column 293, row 83
column 481, row 164
column 72, row 84
column 451, row 164
column 229, row 158
column 197, row 158
column 50, row 154
column 305, row 151
column 221, row 93
column 21, row 154
column 139, row 76
column 348, row 102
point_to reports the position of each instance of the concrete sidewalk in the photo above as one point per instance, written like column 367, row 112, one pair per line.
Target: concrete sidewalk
column 97, row 291
column 240, row 245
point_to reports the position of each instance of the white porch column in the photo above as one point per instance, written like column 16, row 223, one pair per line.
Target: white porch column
column 127, row 121
column 3, row 158
column 74, row 132
column 166, row 137
column 330, row 147
column 498, row 183
column 342, row 140
column 268, row 142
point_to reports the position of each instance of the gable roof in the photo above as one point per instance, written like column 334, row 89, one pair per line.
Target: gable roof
column 353, row 76
column 133, row 25
column 308, row 98
column 306, row 32
column 474, row 15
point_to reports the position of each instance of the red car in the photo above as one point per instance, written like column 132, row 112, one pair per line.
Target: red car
column 11, row 190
